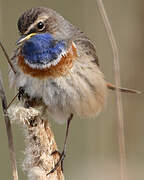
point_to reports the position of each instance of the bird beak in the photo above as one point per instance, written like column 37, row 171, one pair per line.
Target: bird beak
column 24, row 38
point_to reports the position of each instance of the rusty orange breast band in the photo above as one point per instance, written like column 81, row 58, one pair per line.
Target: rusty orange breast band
column 60, row 69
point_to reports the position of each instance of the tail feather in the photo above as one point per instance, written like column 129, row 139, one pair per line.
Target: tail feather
column 126, row 90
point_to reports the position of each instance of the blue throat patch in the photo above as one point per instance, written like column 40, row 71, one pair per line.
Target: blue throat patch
column 43, row 49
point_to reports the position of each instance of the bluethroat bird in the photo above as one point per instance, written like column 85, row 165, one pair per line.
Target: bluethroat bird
column 57, row 64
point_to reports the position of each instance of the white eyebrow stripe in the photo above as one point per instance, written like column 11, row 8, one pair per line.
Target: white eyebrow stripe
column 42, row 19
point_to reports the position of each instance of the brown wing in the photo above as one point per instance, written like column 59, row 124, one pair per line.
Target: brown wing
column 87, row 45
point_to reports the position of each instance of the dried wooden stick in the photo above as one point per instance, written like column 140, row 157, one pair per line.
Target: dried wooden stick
column 121, row 137
column 9, row 130
column 40, row 144
column 7, row 57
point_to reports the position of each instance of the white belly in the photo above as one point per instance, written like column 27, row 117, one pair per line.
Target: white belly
column 83, row 91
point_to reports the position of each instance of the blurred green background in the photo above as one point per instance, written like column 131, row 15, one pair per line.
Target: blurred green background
column 92, row 151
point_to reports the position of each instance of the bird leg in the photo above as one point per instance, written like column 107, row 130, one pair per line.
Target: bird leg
column 63, row 154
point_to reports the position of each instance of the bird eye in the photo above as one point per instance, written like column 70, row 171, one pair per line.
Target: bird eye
column 40, row 25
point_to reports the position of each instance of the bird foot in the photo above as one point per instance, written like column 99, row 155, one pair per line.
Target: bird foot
column 60, row 161
column 27, row 100
column 21, row 93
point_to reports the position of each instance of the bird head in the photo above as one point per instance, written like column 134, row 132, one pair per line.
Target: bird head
column 46, row 37
column 44, row 20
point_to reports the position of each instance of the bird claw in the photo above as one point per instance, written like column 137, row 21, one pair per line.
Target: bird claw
column 21, row 93
column 63, row 154
column 23, row 96
column 27, row 100
column 60, row 161
column 56, row 152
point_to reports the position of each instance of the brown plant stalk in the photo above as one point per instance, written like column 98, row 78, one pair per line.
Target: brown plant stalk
column 40, row 144
column 9, row 131
column 121, row 137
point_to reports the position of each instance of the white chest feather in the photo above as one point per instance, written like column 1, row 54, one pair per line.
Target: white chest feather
column 82, row 91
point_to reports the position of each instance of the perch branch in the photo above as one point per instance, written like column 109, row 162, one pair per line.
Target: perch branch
column 40, row 144
column 121, row 137
column 9, row 131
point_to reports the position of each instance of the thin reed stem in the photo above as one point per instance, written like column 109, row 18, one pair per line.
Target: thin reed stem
column 7, row 57
column 121, row 137
column 9, row 131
